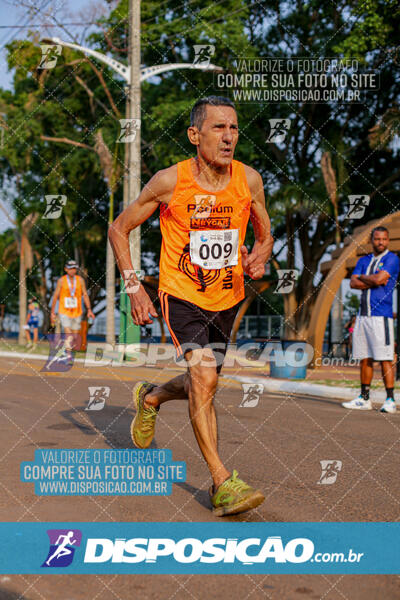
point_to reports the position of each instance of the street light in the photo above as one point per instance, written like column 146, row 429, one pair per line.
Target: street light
column 132, row 162
column 124, row 71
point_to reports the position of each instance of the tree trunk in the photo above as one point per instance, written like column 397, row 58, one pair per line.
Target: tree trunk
column 22, row 295
column 42, row 294
column 110, row 168
column 290, row 322
column 110, row 295
column 46, row 319
column 289, row 300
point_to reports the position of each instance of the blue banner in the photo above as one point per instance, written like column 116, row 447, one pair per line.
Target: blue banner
column 200, row 548
column 77, row 472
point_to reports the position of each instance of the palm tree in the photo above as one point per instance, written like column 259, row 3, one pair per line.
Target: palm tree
column 22, row 248
column 111, row 171
column 329, row 177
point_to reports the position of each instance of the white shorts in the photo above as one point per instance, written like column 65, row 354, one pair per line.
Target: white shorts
column 373, row 337
column 73, row 323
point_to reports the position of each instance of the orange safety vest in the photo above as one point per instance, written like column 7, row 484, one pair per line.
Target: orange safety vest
column 65, row 295
column 193, row 209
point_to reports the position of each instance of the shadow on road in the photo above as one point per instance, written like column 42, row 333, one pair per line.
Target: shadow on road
column 112, row 424
column 10, row 595
column 201, row 496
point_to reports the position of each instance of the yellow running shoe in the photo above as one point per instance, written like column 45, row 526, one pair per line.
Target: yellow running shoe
column 142, row 426
column 234, row 496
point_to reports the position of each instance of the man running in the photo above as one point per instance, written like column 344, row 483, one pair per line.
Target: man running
column 373, row 338
column 69, row 292
column 205, row 203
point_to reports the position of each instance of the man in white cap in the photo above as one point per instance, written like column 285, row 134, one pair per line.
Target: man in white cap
column 69, row 292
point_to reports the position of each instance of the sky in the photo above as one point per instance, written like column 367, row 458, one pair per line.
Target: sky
column 66, row 19
column 19, row 17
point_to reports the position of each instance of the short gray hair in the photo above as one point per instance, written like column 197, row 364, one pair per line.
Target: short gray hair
column 199, row 112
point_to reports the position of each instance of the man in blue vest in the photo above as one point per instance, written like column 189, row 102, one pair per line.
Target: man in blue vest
column 373, row 338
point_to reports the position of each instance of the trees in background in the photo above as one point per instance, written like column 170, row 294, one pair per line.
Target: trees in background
column 52, row 142
column 53, row 119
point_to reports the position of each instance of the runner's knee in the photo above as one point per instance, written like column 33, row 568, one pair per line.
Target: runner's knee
column 203, row 381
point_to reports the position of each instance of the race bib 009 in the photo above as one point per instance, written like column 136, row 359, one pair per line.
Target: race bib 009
column 212, row 249
column 70, row 302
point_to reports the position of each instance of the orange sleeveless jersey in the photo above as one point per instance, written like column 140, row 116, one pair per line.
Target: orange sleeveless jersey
column 192, row 209
column 65, row 292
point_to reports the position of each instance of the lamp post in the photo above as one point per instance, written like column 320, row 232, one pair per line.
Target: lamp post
column 130, row 333
column 124, row 71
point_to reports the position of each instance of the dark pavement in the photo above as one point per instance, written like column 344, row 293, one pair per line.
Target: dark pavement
column 276, row 446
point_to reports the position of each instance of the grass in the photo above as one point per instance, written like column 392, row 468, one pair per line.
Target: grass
column 11, row 345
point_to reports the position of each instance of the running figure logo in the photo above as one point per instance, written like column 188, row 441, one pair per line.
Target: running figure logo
column 50, row 54
column 132, row 280
column 204, row 205
column 201, row 277
column 63, row 543
column 286, row 280
column 278, row 130
column 330, row 470
column 251, row 394
column 129, row 128
column 61, row 358
column 54, row 206
column 97, row 397
column 203, row 54
column 357, row 207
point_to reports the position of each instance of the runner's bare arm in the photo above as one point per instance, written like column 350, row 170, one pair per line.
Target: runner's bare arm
column 86, row 299
column 158, row 190
column 254, row 263
column 54, row 302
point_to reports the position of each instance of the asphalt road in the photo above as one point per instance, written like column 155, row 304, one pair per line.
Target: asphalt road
column 276, row 446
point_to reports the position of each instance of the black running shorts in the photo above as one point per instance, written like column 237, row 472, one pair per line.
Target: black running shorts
column 193, row 327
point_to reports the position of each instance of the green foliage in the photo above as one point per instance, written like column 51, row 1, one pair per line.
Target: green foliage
column 351, row 303
column 55, row 103
column 52, row 103
column 9, row 270
column 372, row 26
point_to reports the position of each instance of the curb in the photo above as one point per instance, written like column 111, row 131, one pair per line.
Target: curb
column 88, row 362
column 44, row 357
column 280, row 386
column 284, row 386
